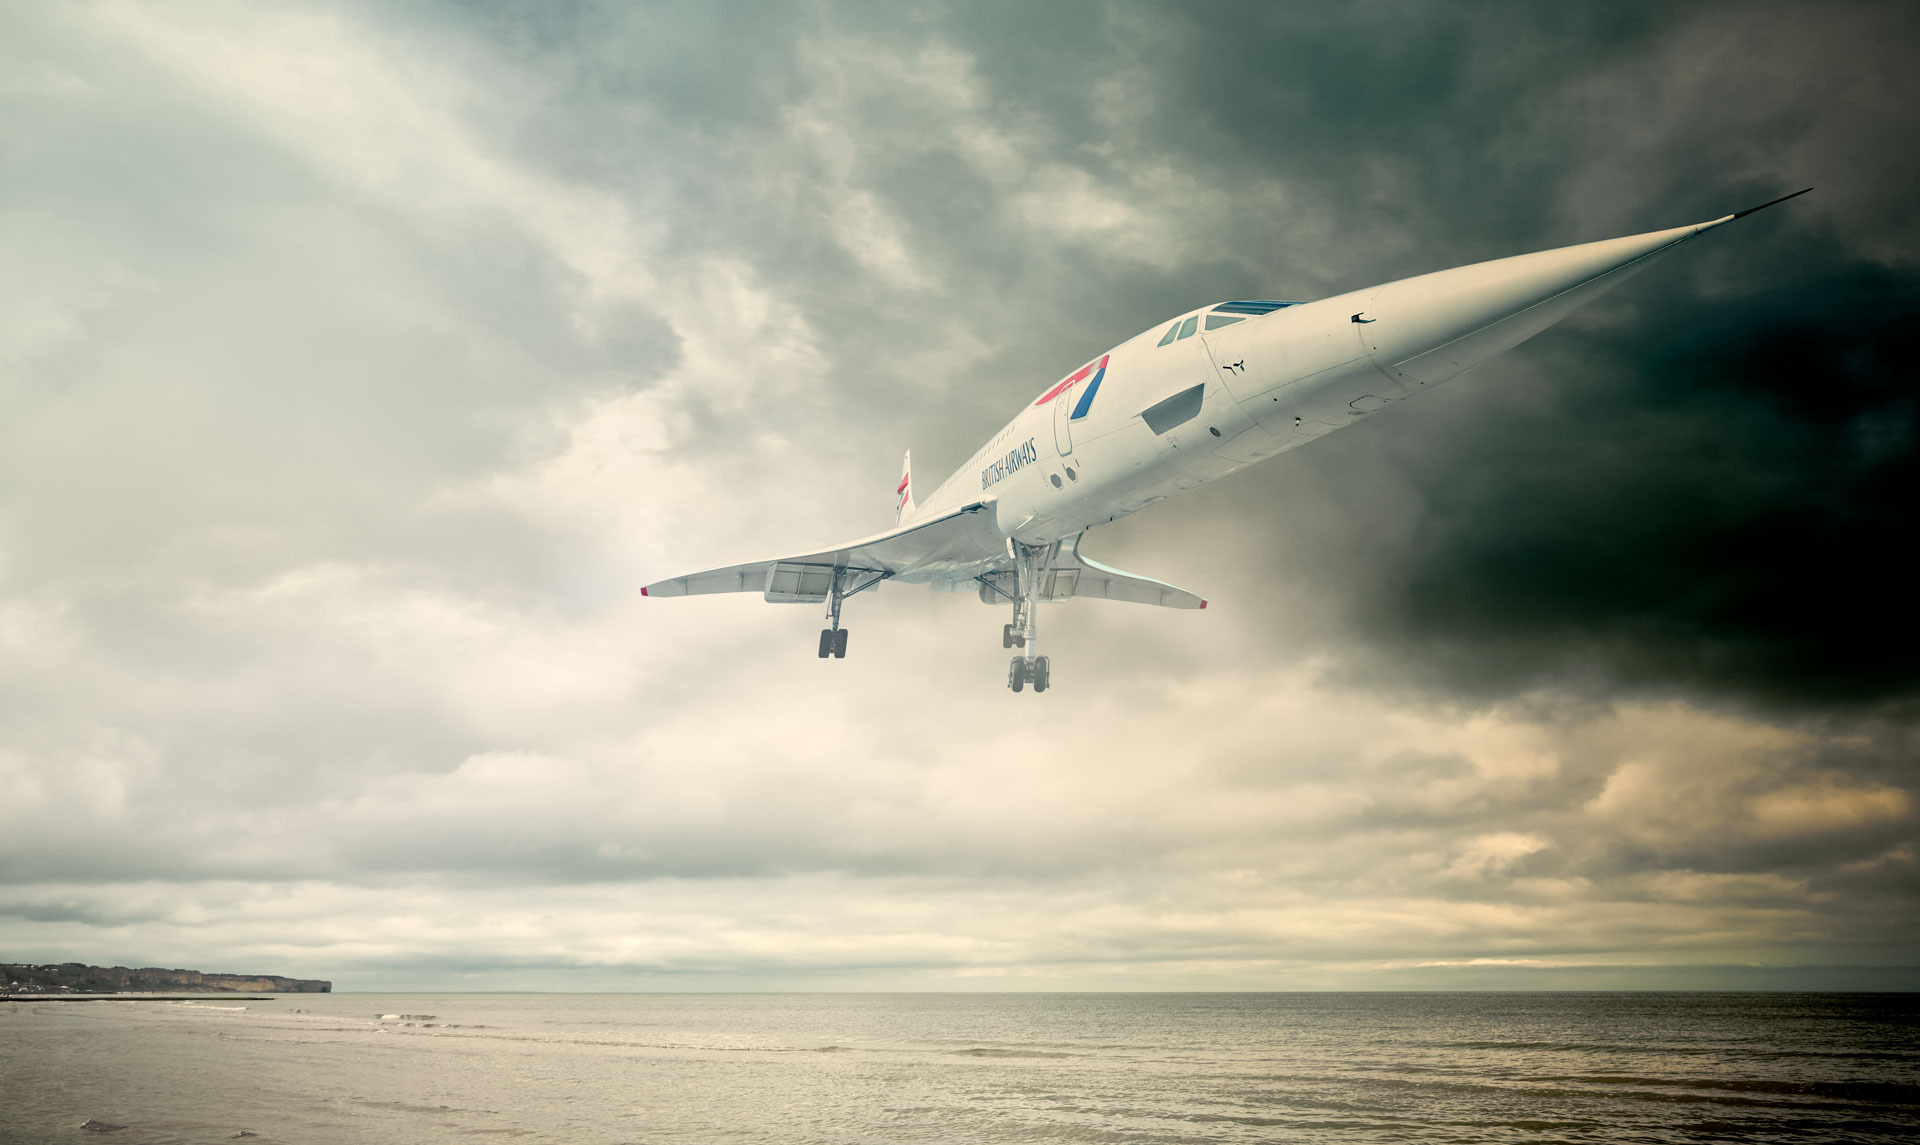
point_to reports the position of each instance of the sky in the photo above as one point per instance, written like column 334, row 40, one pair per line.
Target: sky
column 359, row 362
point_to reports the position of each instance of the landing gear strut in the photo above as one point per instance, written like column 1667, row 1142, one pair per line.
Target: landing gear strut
column 846, row 583
column 1031, row 563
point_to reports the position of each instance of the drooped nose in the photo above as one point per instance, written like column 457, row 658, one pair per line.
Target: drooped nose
column 1430, row 328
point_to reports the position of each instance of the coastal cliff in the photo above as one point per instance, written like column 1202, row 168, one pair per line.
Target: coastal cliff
column 73, row 978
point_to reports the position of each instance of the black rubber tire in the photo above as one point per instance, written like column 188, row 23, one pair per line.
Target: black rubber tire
column 840, row 645
column 1017, row 673
column 1042, row 670
column 1006, row 636
column 826, row 643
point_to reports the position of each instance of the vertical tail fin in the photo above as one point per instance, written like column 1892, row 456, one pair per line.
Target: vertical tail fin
column 903, row 496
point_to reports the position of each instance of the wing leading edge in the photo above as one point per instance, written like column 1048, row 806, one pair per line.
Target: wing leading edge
column 959, row 544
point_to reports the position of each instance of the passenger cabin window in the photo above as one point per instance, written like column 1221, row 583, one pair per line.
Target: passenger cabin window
column 1189, row 326
column 1171, row 331
column 1215, row 321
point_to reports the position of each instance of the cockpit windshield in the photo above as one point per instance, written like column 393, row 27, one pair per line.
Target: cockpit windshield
column 1252, row 308
column 1225, row 314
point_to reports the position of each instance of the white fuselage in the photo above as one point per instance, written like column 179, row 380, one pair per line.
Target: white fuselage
column 1266, row 382
column 1052, row 476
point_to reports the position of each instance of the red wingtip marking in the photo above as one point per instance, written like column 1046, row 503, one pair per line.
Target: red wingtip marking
column 1203, row 603
column 643, row 592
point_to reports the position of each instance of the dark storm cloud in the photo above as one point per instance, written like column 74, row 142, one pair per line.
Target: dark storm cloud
column 1706, row 493
column 1718, row 503
column 1404, row 113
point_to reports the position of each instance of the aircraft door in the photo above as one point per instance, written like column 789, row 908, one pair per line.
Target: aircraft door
column 1063, row 419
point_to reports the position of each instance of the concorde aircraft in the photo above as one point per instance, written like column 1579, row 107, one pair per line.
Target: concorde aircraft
column 1184, row 403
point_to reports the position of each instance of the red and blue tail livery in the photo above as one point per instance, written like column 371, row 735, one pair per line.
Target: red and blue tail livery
column 903, row 507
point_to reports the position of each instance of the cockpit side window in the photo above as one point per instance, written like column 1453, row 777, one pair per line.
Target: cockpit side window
column 1215, row 321
column 1189, row 326
column 1171, row 331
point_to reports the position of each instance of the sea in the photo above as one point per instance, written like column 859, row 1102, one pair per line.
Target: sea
column 1122, row 1068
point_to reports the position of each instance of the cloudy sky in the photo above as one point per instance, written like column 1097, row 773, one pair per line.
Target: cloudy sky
column 359, row 361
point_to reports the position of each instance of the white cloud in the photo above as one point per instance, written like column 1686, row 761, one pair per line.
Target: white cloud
column 1830, row 806
column 1493, row 854
column 382, row 121
column 326, row 501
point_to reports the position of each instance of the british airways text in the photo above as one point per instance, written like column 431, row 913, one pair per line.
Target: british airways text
column 1016, row 459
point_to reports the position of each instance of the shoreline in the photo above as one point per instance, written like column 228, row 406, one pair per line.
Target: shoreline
column 135, row 997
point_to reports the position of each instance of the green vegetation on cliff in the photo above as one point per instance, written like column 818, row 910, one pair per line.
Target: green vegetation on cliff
column 73, row 978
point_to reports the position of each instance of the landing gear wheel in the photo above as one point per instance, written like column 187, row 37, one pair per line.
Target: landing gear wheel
column 1011, row 639
column 840, row 644
column 1041, row 672
column 1017, row 673
column 826, row 643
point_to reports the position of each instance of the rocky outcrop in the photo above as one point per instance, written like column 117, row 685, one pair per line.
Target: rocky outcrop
column 73, row 978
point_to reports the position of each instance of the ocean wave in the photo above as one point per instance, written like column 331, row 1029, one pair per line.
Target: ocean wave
column 1879, row 1092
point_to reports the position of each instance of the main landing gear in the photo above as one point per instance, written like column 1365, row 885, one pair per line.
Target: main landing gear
column 1030, row 563
column 1033, row 670
column 846, row 583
